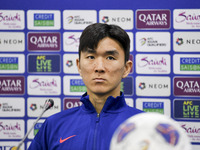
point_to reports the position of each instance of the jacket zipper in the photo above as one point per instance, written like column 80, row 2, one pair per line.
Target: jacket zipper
column 95, row 132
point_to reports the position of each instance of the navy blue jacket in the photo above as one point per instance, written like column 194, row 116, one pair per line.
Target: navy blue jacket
column 81, row 128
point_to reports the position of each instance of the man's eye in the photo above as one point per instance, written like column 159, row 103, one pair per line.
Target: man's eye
column 90, row 57
column 110, row 58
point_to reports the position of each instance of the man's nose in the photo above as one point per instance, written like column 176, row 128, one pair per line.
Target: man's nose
column 99, row 65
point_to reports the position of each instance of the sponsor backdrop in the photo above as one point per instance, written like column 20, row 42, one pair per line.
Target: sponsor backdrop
column 39, row 45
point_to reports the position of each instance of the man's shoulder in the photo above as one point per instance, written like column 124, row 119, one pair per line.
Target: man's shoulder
column 64, row 114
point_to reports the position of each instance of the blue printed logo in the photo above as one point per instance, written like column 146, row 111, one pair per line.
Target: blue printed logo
column 9, row 63
column 190, row 64
column 77, row 85
column 37, row 128
column 153, row 107
column 43, row 19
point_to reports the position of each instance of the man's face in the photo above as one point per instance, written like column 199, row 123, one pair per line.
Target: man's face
column 102, row 69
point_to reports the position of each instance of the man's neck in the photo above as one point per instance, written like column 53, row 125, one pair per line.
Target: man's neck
column 98, row 102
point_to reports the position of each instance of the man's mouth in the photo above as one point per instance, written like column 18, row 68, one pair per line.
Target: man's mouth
column 99, row 79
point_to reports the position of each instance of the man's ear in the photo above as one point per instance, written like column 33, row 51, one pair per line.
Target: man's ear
column 78, row 66
column 128, row 67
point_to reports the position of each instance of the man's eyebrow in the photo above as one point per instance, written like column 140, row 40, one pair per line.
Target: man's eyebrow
column 88, row 50
column 108, row 52
column 112, row 52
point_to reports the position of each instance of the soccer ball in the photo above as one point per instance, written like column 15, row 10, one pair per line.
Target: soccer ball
column 150, row 131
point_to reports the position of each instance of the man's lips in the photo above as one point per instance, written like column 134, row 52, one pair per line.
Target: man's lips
column 99, row 79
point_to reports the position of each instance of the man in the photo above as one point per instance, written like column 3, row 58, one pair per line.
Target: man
column 103, row 62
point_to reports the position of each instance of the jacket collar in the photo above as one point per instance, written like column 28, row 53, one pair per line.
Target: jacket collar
column 112, row 104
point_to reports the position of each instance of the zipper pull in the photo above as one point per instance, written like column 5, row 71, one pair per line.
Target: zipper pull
column 98, row 116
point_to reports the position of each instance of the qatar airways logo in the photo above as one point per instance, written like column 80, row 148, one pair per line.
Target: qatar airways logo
column 44, row 85
column 153, row 19
column 71, row 103
column 11, row 19
column 153, row 64
column 12, row 85
column 186, row 86
column 44, row 41
column 186, row 18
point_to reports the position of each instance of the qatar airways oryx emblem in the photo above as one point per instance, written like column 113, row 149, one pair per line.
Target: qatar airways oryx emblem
column 44, row 85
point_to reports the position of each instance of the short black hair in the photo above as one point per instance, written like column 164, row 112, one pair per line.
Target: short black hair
column 93, row 33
